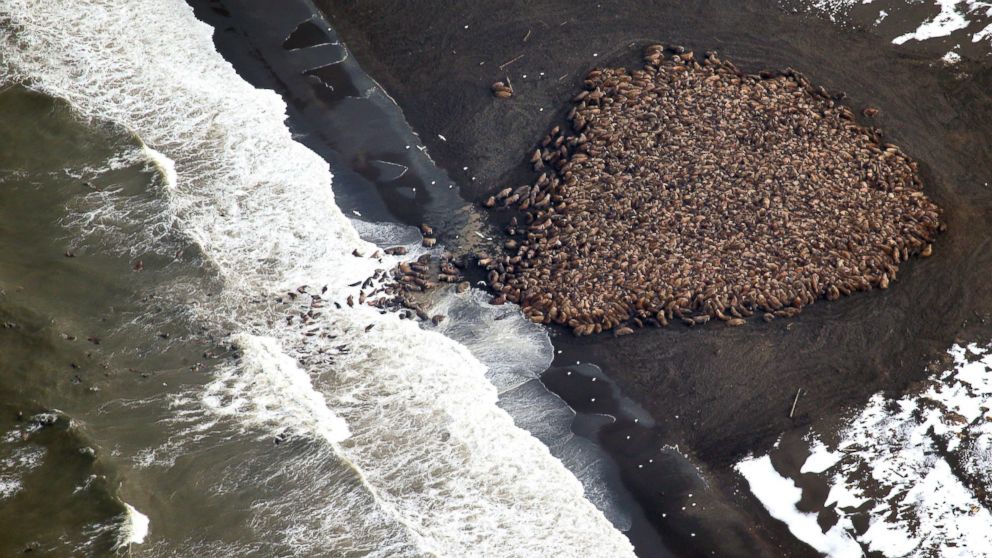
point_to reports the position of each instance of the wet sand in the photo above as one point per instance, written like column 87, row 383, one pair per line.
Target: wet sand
column 714, row 393
column 718, row 393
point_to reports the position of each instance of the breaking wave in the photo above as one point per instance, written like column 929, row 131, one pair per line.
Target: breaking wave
column 409, row 413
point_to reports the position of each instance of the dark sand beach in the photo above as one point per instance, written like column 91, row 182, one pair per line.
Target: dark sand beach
column 716, row 392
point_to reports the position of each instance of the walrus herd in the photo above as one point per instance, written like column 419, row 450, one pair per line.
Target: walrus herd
column 398, row 289
column 688, row 190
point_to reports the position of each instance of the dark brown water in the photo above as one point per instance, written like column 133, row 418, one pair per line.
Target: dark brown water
column 82, row 334
column 137, row 264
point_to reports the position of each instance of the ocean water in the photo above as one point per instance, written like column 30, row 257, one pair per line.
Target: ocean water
column 174, row 262
column 60, row 493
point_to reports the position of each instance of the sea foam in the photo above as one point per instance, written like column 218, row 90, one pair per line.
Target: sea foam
column 442, row 466
column 133, row 528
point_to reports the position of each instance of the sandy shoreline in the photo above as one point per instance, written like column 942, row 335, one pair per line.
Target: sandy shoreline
column 718, row 393
column 715, row 393
column 419, row 86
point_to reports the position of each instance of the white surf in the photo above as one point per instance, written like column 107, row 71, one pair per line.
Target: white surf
column 444, row 471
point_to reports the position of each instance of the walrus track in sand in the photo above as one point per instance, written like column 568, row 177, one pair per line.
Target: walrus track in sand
column 688, row 190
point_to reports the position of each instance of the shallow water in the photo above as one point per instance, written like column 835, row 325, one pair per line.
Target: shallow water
column 81, row 327
column 239, row 411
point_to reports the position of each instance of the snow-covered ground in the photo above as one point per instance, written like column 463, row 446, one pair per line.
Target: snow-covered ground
column 956, row 23
column 909, row 477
